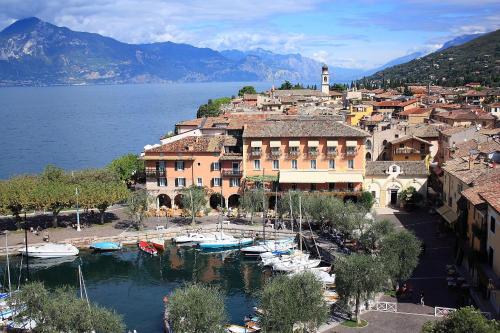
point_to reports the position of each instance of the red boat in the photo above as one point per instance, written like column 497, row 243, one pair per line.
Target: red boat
column 147, row 247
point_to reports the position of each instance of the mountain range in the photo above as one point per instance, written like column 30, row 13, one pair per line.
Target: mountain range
column 464, row 60
column 34, row 52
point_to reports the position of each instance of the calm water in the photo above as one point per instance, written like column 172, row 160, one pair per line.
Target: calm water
column 87, row 126
column 134, row 283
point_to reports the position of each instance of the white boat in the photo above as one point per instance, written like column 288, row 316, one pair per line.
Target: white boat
column 50, row 250
column 271, row 258
column 295, row 265
column 320, row 273
column 225, row 243
column 277, row 249
column 194, row 237
column 240, row 329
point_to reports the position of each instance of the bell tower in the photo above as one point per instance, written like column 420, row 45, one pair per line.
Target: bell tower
column 325, row 80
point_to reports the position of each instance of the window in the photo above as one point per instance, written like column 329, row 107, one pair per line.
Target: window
column 313, row 187
column 331, row 164
column 276, row 164
column 161, row 165
column 492, row 224
column 162, row 181
column 234, row 182
column 313, row 164
column 394, row 169
column 331, row 150
column 368, row 144
column 199, row 181
column 256, row 164
column 180, row 182
column 384, row 143
column 215, row 166
column 422, row 146
column 255, row 151
column 350, row 164
column 179, row 165
column 331, row 186
column 401, row 145
column 294, row 164
column 216, row 182
column 350, row 187
column 396, row 136
column 406, row 157
column 293, row 150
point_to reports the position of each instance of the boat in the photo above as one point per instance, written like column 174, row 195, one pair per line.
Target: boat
column 50, row 250
column 225, row 243
column 158, row 243
column 147, row 247
column 21, row 325
column 296, row 265
column 271, row 258
column 240, row 329
column 105, row 246
column 194, row 237
column 278, row 247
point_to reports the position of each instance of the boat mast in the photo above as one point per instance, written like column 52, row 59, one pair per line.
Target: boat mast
column 83, row 289
column 291, row 211
column 263, row 206
column 275, row 215
column 300, row 223
column 8, row 263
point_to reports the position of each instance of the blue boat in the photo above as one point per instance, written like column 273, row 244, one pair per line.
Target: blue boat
column 226, row 243
column 105, row 246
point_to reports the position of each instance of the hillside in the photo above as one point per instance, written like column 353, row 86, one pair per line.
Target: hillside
column 34, row 52
column 475, row 61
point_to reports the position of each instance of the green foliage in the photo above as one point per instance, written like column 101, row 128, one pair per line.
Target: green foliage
column 464, row 320
column 254, row 200
column 129, row 168
column 410, row 196
column 17, row 195
column 400, row 251
column 197, row 308
column 366, row 200
column 375, row 231
column 407, row 91
column 137, row 207
column 193, row 200
column 338, row 87
column 359, row 276
column 288, row 300
column 289, row 86
column 61, row 311
column 246, row 90
column 212, row 107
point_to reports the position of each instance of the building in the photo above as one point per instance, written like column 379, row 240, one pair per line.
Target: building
column 325, row 80
column 450, row 137
column 305, row 154
column 494, row 109
column 358, row 112
column 391, row 106
column 465, row 118
column 386, row 179
column 409, row 148
column 415, row 115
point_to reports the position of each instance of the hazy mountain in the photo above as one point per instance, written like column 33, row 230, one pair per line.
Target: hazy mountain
column 459, row 41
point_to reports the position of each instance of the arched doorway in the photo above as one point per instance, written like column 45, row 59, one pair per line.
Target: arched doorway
column 178, row 201
column 164, row 201
column 368, row 156
column 216, row 200
column 233, row 201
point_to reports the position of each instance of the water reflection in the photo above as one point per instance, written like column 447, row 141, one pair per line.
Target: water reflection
column 134, row 283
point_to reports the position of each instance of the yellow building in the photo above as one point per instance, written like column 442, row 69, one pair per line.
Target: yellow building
column 358, row 112
column 410, row 148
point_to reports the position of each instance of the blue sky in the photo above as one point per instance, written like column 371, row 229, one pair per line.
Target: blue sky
column 354, row 33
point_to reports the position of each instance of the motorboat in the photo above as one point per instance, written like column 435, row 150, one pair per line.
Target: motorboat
column 294, row 265
column 147, row 247
column 105, row 246
column 241, row 329
column 225, row 243
column 194, row 237
column 321, row 273
column 50, row 250
column 278, row 246
column 158, row 243
column 271, row 258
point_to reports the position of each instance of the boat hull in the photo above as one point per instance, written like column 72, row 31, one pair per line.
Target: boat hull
column 50, row 251
column 147, row 248
column 226, row 243
column 105, row 246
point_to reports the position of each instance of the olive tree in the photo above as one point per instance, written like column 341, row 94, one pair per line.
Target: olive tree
column 197, row 308
column 137, row 207
column 358, row 277
column 17, row 195
column 60, row 310
column 286, row 301
column 129, row 168
column 399, row 252
column 193, row 199
column 254, row 200
column 464, row 320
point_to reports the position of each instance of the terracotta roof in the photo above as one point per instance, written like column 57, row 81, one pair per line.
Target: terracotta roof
column 463, row 149
column 247, row 97
column 474, row 193
column 407, row 138
column 192, row 144
column 453, row 130
column 424, row 131
column 302, row 127
column 477, row 173
column 409, row 168
column 414, row 111
column 492, row 197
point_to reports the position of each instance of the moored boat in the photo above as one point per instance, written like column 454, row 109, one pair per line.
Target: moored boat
column 240, row 329
column 278, row 247
column 105, row 246
column 226, row 243
column 158, row 243
column 194, row 237
column 50, row 250
column 296, row 265
column 147, row 247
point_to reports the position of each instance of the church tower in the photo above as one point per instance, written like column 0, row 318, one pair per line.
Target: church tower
column 325, row 80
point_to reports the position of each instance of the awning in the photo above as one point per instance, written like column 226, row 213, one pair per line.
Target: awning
column 312, row 143
column 351, row 143
column 319, row 176
column 447, row 214
column 275, row 144
column 294, row 143
column 332, row 143
column 256, row 144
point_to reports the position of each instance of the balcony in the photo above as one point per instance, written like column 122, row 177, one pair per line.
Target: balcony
column 313, row 153
column 275, row 153
column 351, row 152
column 332, row 152
column 406, row 151
column 293, row 154
column 232, row 173
column 153, row 172
column 256, row 153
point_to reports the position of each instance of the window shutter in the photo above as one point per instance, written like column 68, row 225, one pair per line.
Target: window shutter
column 158, row 181
column 212, row 182
column 212, row 166
column 175, row 166
column 176, row 182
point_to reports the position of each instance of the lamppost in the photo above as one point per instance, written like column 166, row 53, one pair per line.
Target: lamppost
column 77, row 212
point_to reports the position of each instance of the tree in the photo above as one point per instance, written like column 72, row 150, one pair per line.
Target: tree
column 194, row 199
column 410, row 197
column 197, row 308
column 286, row 86
column 375, row 232
column 359, row 276
column 253, row 200
column 60, row 310
column 367, row 200
column 54, row 192
column 246, row 90
column 137, row 207
column 287, row 300
column 129, row 168
column 99, row 188
column 17, row 195
column 464, row 320
column 400, row 251
column 212, row 108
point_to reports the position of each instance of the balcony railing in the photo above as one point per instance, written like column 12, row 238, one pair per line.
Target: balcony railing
column 332, row 153
column 255, row 153
column 351, row 152
column 153, row 172
column 275, row 153
column 232, row 173
column 406, row 150
column 313, row 153
column 293, row 153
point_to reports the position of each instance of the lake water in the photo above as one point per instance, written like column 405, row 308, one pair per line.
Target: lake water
column 134, row 283
column 78, row 127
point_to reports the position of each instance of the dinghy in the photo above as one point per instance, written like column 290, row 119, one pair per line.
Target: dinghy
column 158, row 243
column 147, row 247
column 294, row 265
column 105, row 246
column 50, row 250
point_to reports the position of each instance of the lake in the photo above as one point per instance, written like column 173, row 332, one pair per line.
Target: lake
column 79, row 127
column 134, row 283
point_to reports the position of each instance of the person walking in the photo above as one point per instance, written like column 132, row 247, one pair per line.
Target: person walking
column 422, row 298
